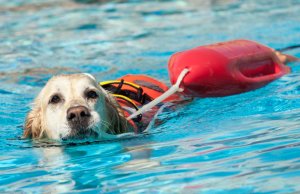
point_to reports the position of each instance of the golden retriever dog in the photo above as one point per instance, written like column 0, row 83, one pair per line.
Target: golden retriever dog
column 74, row 106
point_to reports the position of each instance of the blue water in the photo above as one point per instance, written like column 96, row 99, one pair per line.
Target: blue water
column 248, row 143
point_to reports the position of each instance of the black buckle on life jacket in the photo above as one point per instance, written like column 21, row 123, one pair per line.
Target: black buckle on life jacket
column 127, row 95
column 138, row 95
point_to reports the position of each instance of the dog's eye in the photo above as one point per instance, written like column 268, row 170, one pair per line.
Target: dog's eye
column 91, row 94
column 55, row 99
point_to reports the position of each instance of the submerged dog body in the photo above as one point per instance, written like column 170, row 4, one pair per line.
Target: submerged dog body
column 74, row 106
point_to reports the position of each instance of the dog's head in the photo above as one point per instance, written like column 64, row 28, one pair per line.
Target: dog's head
column 74, row 106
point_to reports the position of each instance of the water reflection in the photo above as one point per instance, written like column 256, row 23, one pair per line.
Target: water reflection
column 245, row 143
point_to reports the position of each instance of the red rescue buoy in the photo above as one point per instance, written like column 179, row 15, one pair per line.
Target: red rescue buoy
column 226, row 68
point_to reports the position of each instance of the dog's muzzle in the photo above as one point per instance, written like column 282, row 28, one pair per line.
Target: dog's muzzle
column 78, row 117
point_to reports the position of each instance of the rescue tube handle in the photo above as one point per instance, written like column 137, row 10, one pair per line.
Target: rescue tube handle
column 172, row 90
column 271, row 66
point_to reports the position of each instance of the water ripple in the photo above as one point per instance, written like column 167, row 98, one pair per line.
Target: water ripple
column 247, row 143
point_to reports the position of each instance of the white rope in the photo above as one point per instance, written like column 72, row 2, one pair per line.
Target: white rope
column 175, row 88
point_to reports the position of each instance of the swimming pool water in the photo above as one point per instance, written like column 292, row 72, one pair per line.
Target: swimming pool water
column 247, row 143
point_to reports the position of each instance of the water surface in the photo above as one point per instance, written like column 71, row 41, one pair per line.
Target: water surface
column 246, row 143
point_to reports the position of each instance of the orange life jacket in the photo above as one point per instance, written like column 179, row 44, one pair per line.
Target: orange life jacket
column 134, row 91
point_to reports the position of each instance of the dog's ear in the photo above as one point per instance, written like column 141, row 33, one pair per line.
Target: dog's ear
column 117, row 121
column 33, row 124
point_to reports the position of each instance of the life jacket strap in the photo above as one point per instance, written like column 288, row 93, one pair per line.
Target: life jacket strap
column 136, row 92
column 138, row 118
column 129, row 96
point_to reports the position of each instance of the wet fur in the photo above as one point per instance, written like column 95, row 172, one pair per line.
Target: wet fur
column 36, row 128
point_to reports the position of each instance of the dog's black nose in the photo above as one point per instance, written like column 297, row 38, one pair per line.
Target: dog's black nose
column 78, row 114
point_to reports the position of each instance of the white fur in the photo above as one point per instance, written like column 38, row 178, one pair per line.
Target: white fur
column 50, row 120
